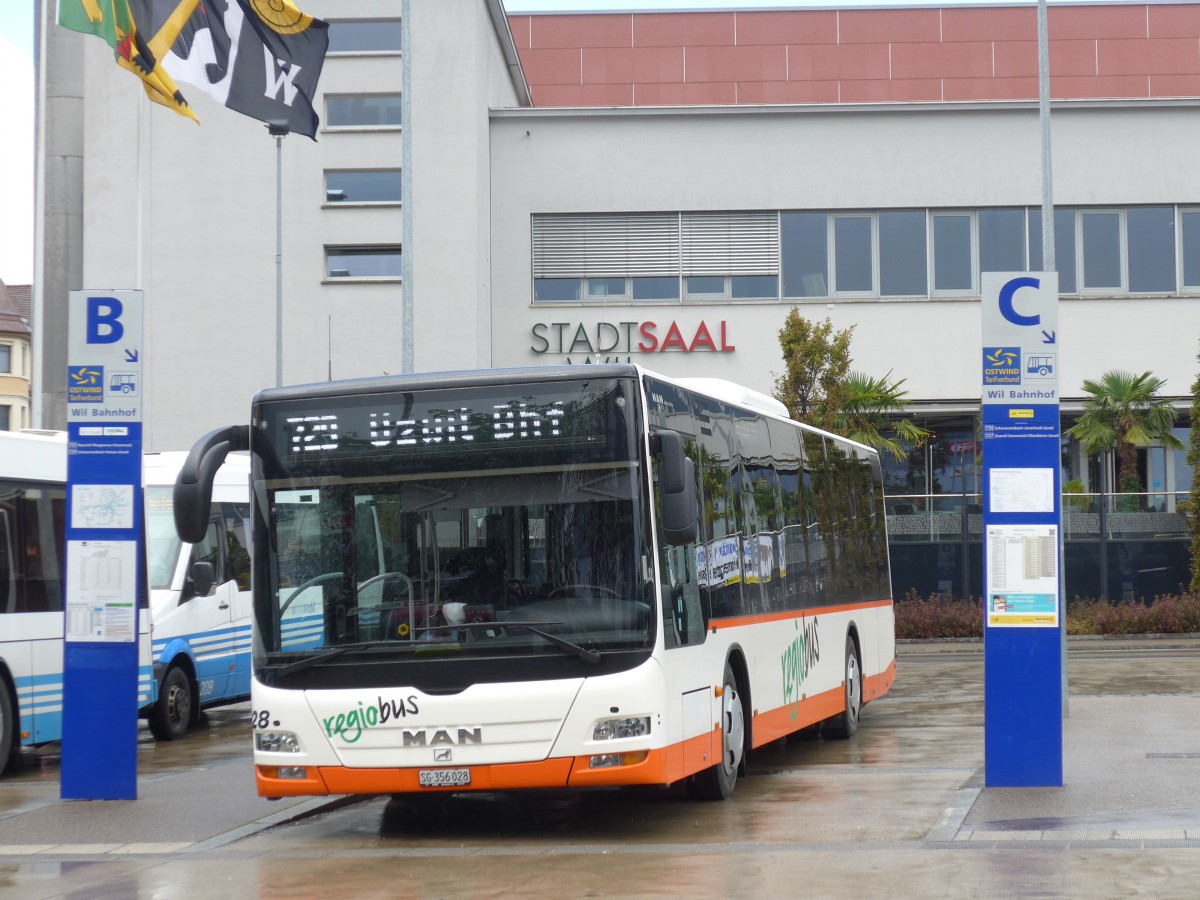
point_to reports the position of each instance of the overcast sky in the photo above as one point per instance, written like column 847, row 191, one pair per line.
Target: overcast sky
column 16, row 141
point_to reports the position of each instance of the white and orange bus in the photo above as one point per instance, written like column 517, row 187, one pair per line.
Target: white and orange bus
column 559, row 577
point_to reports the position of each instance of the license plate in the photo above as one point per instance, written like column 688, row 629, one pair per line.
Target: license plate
column 444, row 777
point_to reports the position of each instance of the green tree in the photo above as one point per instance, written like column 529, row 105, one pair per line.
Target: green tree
column 814, row 385
column 1123, row 410
column 872, row 412
column 1193, row 506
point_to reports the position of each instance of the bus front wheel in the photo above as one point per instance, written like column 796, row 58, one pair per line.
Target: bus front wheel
column 172, row 714
column 717, row 782
column 845, row 724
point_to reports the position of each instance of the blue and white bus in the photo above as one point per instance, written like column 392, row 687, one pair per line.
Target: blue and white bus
column 195, row 641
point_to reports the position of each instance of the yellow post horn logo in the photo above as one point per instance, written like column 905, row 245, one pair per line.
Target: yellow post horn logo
column 281, row 16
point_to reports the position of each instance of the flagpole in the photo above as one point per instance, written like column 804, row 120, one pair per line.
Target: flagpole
column 278, row 130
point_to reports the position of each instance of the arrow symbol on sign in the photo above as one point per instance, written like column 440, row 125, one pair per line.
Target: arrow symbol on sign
column 1048, row 336
column 132, row 355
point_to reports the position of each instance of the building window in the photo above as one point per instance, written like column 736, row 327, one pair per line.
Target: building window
column 1190, row 247
column 1001, row 240
column 804, row 251
column 1151, row 235
column 741, row 249
column 5, row 418
column 853, row 272
column 6, row 358
column 363, row 262
column 1100, row 244
column 362, row 186
column 796, row 255
column 362, row 110
column 903, row 260
column 953, row 266
column 1064, row 246
column 365, row 36
column 656, row 288
column 620, row 255
column 557, row 290
column 607, row 288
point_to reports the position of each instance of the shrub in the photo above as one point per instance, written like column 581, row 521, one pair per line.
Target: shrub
column 938, row 617
column 943, row 616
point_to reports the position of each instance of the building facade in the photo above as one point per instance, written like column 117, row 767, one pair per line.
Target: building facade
column 16, row 358
column 680, row 183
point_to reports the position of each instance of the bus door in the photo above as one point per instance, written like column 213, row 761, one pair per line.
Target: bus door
column 205, row 614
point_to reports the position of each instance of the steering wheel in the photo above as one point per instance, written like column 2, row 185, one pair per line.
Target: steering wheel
column 319, row 579
column 375, row 579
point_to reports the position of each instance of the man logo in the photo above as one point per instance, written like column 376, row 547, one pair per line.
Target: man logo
column 442, row 754
column 442, row 737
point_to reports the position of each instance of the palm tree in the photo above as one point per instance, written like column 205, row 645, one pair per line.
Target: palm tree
column 1124, row 410
column 871, row 415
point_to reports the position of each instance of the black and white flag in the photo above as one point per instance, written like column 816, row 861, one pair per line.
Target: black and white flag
column 261, row 58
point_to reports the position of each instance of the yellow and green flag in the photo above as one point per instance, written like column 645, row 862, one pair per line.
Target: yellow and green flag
column 262, row 58
column 139, row 45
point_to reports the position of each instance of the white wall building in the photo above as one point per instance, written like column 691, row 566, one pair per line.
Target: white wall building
column 681, row 183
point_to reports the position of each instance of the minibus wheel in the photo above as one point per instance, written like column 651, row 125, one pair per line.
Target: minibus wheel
column 170, row 717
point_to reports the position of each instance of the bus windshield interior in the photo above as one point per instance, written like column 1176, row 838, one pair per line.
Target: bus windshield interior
column 530, row 546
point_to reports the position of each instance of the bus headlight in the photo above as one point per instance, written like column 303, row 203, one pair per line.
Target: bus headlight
column 614, row 729
column 276, row 742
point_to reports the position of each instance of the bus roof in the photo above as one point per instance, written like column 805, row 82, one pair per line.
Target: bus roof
column 232, row 481
column 34, row 455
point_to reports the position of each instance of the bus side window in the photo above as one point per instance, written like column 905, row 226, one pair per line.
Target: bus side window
column 683, row 610
column 236, row 546
column 8, row 571
column 209, row 551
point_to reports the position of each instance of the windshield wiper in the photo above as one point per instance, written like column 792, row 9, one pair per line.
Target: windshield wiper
column 587, row 654
column 309, row 661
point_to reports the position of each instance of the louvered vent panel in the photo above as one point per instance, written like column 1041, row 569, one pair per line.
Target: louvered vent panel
column 731, row 243
column 605, row 246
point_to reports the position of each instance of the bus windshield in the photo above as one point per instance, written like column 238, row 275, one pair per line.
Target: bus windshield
column 162, row 543
column 496, row 520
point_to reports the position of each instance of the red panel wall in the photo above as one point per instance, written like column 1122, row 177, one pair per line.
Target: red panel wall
column 857, row 55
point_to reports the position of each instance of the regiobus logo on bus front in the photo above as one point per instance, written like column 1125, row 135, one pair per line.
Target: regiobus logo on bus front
column 350, row 725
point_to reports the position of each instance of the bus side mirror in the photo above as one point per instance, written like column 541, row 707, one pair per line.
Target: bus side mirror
column 677, row 489
column 203, row 578
column 192, row 500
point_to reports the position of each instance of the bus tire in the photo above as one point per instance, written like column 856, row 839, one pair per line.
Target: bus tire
column 9, row 748
column 171, row 715
column 717, row 782
column 845, row 724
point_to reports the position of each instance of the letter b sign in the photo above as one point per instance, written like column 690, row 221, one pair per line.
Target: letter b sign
column 103, row 320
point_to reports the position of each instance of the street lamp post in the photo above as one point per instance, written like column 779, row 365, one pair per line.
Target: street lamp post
column 277, row 130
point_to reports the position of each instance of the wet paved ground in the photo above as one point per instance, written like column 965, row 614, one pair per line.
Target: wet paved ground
column 898, row 812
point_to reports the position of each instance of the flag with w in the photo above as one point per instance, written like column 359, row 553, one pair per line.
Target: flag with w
column 262, row 58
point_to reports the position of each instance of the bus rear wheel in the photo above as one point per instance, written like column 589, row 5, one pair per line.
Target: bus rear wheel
column 8, row 728
column 172, row 714
column 845, row 724
column 717, row 782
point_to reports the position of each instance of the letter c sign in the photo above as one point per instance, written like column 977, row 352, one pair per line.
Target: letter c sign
column 1006, row 301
